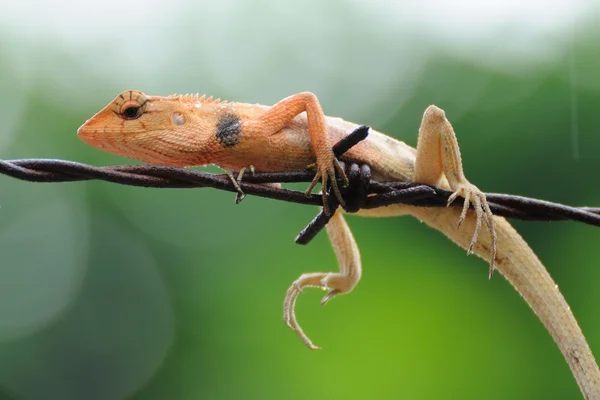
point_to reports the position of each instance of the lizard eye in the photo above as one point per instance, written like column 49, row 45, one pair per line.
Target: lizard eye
column 130, row 104
column 131, row 111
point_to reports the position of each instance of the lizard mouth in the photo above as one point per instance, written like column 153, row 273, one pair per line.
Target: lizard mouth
column 100, row 138
column 84, row 133
column 113, row 141
column 90, row 134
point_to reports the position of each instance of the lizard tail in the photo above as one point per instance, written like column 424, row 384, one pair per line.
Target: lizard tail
column 521, row 267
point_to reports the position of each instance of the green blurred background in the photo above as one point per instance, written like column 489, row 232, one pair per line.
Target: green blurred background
column 114, row 292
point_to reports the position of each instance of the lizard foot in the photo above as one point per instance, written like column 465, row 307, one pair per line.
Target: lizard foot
column 240, row 195
column 319, row 280
column 475, row 197
column 326, row 174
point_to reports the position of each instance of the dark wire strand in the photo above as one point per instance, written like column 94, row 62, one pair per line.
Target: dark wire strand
column 361, row 193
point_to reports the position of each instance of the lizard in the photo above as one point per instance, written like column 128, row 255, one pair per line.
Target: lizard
column 294, row 133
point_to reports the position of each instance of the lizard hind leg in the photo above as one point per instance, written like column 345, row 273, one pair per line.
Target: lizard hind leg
column 346, row 251
column 438, row 156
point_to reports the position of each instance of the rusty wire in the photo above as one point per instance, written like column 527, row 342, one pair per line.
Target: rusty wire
column 361, row 193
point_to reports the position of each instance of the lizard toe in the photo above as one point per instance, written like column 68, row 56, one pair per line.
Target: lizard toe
column 473, row 197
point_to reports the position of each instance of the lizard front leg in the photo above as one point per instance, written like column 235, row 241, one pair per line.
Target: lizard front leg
column 277, row 117
column 438, row 156
column 348, row 256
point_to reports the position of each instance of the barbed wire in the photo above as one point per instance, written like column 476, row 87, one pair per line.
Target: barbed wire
column 362, row 193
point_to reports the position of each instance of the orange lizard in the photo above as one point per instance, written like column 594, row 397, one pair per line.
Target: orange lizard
column 295, row 133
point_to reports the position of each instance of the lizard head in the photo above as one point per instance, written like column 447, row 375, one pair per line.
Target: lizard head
column 146, row 128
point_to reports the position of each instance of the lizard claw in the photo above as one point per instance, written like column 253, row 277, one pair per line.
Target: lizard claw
column 334, row 283
column 331, row 292
column 240, row 195
column 330, row 295
column 289, row 304
column 475, row 197
column 326, row 174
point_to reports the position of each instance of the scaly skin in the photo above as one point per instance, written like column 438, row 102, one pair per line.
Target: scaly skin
column 191, row 130
column 155, row 139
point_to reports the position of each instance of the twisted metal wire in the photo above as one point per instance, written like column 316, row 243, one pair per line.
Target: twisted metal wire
column 361, row 193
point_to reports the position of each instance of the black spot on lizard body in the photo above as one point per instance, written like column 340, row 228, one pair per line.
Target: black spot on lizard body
column 229, row 130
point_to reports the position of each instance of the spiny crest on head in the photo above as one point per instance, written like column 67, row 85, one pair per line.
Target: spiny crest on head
column 193, row 98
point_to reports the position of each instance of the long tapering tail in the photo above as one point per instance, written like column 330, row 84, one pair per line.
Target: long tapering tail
column 521, row 267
